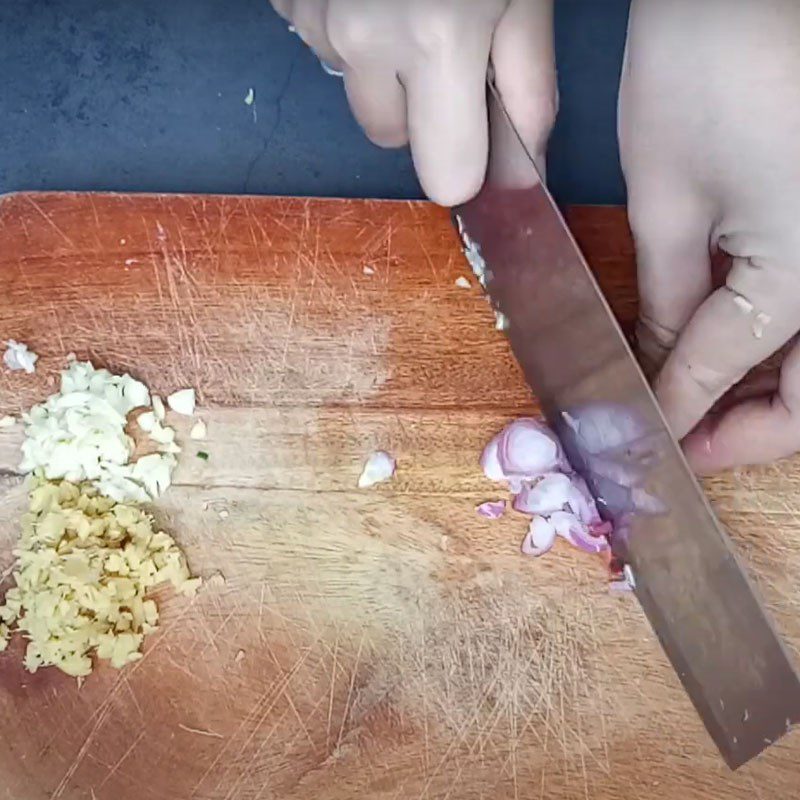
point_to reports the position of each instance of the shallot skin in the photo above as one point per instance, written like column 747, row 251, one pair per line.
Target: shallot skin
column 528, row 456
column 492, row 509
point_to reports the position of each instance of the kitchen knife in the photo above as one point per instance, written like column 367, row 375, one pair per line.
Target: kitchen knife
column 579, row 365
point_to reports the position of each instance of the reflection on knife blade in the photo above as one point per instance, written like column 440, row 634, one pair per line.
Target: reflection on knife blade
column 697, row 597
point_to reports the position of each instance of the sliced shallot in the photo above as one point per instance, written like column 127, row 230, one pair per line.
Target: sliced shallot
column 528, row 457
column 490, row 461
column 526, row 447
column 548, row 495
column 569, row 527
column 541, row 537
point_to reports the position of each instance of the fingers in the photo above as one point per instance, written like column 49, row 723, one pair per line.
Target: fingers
column 736, row 328
column 671, row 228
column 416, row 72
column 310, row 21
column 447, row 118
column 283, row 8
column 524, row 64
column 758, row 431
column 378, row 101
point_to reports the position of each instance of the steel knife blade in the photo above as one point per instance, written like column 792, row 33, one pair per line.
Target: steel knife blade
column 575, row 357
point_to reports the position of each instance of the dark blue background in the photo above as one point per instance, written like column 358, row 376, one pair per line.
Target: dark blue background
column 148, row 95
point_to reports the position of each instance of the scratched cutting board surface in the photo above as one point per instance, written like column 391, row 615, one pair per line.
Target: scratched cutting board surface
column 384, row 643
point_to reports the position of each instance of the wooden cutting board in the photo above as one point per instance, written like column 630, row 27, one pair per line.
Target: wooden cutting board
column 384, row 643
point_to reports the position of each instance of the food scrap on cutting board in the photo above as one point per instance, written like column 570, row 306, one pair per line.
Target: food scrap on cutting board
column 19, row 358
column 88, row 553
column 379, row 467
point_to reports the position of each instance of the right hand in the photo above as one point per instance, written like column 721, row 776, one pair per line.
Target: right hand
column 415, row 71
column 709, row 121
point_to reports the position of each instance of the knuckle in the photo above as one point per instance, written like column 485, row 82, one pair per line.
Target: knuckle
column 657, row 229
column 537, row 117
column 707, row 380
column 350, row 33
column 646, row 218
column 655, row 342
column 440, row 29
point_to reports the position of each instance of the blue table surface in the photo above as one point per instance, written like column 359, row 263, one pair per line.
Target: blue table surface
column 148, row 95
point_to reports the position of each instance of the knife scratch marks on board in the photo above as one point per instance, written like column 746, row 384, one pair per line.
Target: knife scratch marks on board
column 182, row 289
column 200, row 731
column 193, row 677
column 349, row 699
column 156, row 273
column 600, row 704
column 216, row 634
column 253, row 764
column 48, row 219
column 496, row 677
column 122, row 759
column 55, row 327
column 134, row 700
column 287, row 695
column 284, row 360
column 98, row 718
column 389, row 248
column 257, row 714
column 332, row 693
column 82, row 751
column 426, row 255
column 267, row 239
column 97, row 224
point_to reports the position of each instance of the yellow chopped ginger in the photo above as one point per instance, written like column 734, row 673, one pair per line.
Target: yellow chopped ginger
column 84, row 566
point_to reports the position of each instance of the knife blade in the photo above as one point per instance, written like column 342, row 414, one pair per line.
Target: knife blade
column 688, row 580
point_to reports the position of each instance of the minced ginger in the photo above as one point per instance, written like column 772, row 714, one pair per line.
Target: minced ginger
column 84, row 567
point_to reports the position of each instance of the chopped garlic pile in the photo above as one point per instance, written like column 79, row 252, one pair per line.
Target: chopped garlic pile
column 78, row 434
column 84, row 567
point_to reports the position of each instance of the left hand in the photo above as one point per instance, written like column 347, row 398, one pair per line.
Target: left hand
column 415, row 73
column 710, row 140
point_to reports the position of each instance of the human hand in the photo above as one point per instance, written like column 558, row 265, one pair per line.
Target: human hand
column 415, row 71
column 710, row 140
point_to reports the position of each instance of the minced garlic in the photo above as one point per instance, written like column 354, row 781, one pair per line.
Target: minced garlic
column 84, row 567
column 79, row 434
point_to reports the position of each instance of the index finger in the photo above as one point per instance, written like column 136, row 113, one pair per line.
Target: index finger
column 447, row 121
column 283, row 8
column 735, row 329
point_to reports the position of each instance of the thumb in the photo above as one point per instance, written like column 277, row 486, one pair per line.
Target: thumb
column 758, row 430
column 735, row 329
column 523, row 57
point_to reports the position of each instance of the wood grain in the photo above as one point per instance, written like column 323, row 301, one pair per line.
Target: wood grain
column 385, row 643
